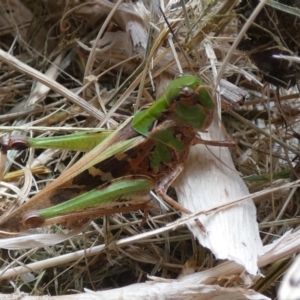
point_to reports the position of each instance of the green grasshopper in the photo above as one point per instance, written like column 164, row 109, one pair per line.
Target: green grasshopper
column 146, row 152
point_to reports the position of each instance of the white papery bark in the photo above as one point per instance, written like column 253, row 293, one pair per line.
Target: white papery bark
column 209, row 179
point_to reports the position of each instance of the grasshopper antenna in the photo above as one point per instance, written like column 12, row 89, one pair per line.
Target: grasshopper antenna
column 178, row 44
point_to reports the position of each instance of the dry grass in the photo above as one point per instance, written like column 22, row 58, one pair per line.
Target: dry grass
column 89, row 51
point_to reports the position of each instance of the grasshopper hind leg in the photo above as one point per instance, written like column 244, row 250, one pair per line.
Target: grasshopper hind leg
column 120, row 195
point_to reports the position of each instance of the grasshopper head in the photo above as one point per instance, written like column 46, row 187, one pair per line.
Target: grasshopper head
column 186, row 100
column 194, row 107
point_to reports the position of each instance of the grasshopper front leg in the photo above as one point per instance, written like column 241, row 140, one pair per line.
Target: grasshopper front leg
column 162, row 189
